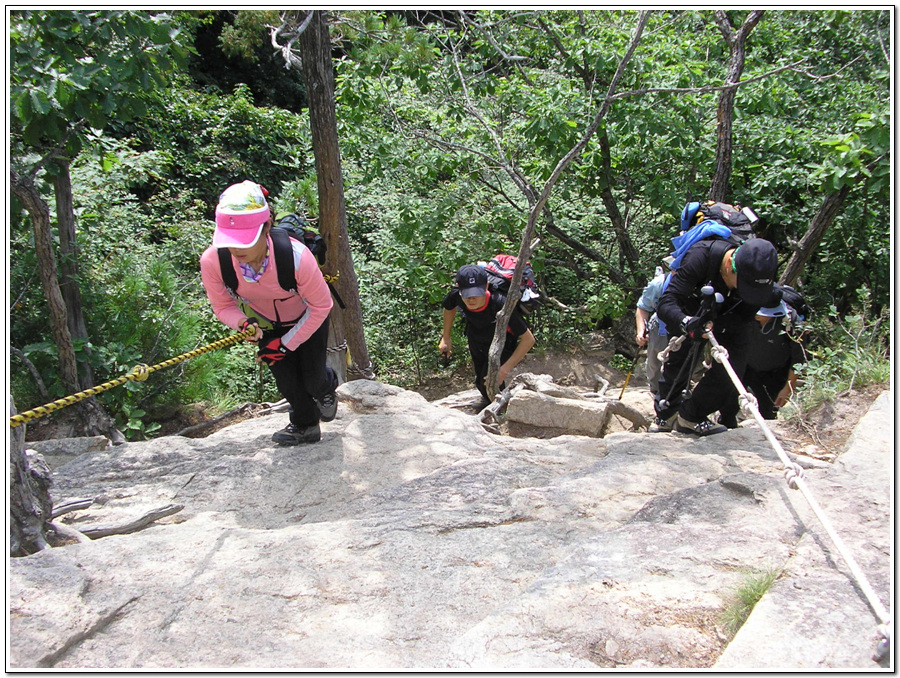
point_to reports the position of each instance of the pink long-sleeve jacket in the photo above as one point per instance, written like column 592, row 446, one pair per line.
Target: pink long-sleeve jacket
column 309, row 307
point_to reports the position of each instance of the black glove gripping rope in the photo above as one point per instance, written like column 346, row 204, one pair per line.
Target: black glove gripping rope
column 138, row 373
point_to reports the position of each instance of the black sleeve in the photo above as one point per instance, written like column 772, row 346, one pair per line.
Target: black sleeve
column 679, row 299
column 798, row 352
column 452, row 300
column 517, row 325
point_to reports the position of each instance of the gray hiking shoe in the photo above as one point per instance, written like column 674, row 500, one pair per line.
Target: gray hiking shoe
column 327, row 406
column 297, row 435
column 661, row 425
column 703, row 428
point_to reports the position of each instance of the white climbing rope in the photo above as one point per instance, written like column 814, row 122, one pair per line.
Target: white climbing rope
column 794, row 476
column 673, row 345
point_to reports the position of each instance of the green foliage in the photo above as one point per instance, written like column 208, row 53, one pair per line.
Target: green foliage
column 745, row 597
column 215, row 141
column 75, row 69
column 849, row 352
column 441, row 123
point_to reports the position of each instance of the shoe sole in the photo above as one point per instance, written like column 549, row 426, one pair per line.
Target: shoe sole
column 709, row 432
column 294, row 441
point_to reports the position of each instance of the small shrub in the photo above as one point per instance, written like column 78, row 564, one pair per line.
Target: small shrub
column 850, row 353
column 745, row 597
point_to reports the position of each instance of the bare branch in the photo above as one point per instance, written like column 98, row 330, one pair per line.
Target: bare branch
column 707, row 89
column 42, row 389
column 291, row 34
column 507, row 166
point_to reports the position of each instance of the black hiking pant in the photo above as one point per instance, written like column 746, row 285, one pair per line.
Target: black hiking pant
column 479, row 351
column 766, row 386
column 714, row 391
column 302, row 375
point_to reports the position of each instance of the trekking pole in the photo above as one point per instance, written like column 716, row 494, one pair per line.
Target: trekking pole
column 794, row 476
column 138, row 373
column 706, row 309
column 630, row 371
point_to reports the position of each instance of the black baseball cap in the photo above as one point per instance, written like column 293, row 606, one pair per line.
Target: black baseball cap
column 471, row 280
column 756, row 264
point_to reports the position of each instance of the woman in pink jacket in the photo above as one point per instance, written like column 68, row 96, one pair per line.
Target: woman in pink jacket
column 291, row 328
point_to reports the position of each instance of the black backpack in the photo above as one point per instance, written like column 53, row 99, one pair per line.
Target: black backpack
column 739, row 220
column 291, row 226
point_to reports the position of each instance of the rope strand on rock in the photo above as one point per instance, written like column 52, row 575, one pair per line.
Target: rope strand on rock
column 795, row 480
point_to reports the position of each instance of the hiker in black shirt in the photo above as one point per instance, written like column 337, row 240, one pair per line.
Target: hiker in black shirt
column 777, row 345
column 480, row 307
column 744, row 276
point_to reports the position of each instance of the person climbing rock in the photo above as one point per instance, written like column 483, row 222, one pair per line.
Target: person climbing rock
column 480, row 306
column 291, row 328
column 647, row 329
column 744, row 276
column 777, row 345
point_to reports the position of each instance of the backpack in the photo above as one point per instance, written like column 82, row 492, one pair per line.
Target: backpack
column 290, row 226
column 795, row 300
column 700, row 221
column 500, row 273
column 714, row 221
column 739, row 220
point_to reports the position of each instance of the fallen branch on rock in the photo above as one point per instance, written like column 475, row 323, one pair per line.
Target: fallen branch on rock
column 192, row 431
column 70, row 505
column 98, row 531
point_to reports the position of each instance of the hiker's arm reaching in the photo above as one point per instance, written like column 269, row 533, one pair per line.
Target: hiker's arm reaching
column 223, row 304
column 641, row 317
column 526, row 341
column 681, row 297
column 788, row 390
column 446, row 345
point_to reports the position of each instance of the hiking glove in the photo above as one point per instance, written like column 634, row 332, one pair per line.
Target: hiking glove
column 694, row 327
column 248, row 323
column 272, row 352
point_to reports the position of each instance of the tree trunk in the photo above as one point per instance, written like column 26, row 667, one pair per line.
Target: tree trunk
column 314, row 46
column 538, row 207
column 68, row 267
column 737, row 45
column 95, row 421
column 23, row 188
column 628, row 252
column 817, row 227
column 30, row 505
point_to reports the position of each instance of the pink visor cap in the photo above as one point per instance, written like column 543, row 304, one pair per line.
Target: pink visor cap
column 240, row 215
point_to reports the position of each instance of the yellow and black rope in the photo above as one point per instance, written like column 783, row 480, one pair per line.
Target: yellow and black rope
column 138, row 373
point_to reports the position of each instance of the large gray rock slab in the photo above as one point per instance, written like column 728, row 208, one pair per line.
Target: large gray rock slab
column 410, row 538
column 580, row 417
column 815, row 616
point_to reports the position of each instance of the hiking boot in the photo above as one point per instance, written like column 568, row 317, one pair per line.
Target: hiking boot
column 661, row 425
column 728, row 421
column 703, row 428
column 327, row 406
column 297, row 435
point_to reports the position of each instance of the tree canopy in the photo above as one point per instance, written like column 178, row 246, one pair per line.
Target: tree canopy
column 450, row 124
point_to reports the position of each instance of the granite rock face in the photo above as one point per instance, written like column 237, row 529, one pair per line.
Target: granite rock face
column 410, row 538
